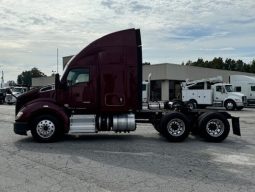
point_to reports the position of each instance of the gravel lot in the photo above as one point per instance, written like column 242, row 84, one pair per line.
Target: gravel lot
column 139, row 161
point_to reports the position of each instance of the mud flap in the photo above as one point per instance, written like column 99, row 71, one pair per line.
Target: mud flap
column 236, row 126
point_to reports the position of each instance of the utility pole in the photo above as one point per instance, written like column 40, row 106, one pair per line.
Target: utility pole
column 2, row 79
column 57, row 60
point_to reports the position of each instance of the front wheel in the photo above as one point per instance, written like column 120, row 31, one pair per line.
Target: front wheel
column 45, row 128
column 175, row 127
column 230, row 105
column 214, row 127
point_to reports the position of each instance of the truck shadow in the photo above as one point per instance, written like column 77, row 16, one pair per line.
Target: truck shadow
column 151, row 153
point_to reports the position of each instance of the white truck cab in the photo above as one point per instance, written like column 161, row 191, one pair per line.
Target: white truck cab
column 223, row 95
column 244, row 84
column 212, row 92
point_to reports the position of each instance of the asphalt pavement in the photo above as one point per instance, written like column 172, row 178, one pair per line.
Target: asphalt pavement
column 139, row 161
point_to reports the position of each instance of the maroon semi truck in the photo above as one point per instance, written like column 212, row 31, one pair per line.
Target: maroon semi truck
column 101, row 90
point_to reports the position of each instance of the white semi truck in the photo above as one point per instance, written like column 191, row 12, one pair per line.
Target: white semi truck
column 212, row 92
column 244, row 84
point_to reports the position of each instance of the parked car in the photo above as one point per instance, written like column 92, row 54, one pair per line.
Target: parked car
column 16, row 91
column 2, row 95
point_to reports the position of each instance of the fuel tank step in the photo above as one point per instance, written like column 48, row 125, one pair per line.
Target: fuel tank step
column 82, row 124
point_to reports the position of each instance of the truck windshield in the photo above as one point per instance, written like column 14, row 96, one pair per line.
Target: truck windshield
column 229, row 88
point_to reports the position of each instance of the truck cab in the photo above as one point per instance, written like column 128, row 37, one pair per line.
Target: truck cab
column 223, row 94
column 244, row 84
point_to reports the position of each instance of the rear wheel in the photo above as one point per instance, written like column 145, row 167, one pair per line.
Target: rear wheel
column 157, row 128
column 46, row 128
column 192, row 104
column 214, row 127
column 175, row 127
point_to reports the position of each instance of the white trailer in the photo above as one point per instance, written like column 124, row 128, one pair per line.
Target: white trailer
column 211, row 92
column 244, row 84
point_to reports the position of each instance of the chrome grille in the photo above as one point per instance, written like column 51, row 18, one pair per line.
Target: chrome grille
column 244, row 99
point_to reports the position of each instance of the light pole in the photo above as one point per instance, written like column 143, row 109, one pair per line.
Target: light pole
column 2, row 79
column 57, row 60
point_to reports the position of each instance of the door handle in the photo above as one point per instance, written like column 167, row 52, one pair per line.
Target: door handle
column 86, row 102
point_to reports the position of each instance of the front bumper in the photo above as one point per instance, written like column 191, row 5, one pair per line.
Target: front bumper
column 20, row 128
column 240, row 104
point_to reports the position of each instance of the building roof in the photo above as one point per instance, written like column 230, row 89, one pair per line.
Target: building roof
column 168, row 71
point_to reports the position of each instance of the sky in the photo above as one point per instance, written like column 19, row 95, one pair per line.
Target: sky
column 173, row 31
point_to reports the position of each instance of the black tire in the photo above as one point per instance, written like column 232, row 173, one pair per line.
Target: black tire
column 157, row 128
column 175, row 126
column 46, row 128
column 192, row 104
column 230, row 105
column 239, row 108
column 214, row 127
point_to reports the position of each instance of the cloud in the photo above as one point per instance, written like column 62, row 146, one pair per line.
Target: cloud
column 172, row 31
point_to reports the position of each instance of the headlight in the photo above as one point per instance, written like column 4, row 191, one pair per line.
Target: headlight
column 19, row 115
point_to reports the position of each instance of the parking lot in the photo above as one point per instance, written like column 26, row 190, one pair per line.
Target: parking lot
column 139, row 161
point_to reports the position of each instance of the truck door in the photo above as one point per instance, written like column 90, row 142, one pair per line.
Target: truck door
column 219, row 94
column 81, row 90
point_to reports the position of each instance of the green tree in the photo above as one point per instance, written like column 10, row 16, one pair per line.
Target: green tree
column 252, row 66
column 239, row 65
column 25, row 78
column 217, row 63
column 200, row 62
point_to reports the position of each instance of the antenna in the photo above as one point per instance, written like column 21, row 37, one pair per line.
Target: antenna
column 57, row 60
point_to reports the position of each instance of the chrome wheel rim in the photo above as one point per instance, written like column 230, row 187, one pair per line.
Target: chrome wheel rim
column 190, row 105
column 176, row 127
column 230, row 105
column 45, row 129
column 215, row 127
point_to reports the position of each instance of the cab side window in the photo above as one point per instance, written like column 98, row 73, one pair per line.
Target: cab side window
column 238, row 89
column 218, row 88
column 76, row 76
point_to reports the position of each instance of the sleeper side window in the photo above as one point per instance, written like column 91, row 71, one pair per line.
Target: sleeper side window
column 238, row 89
